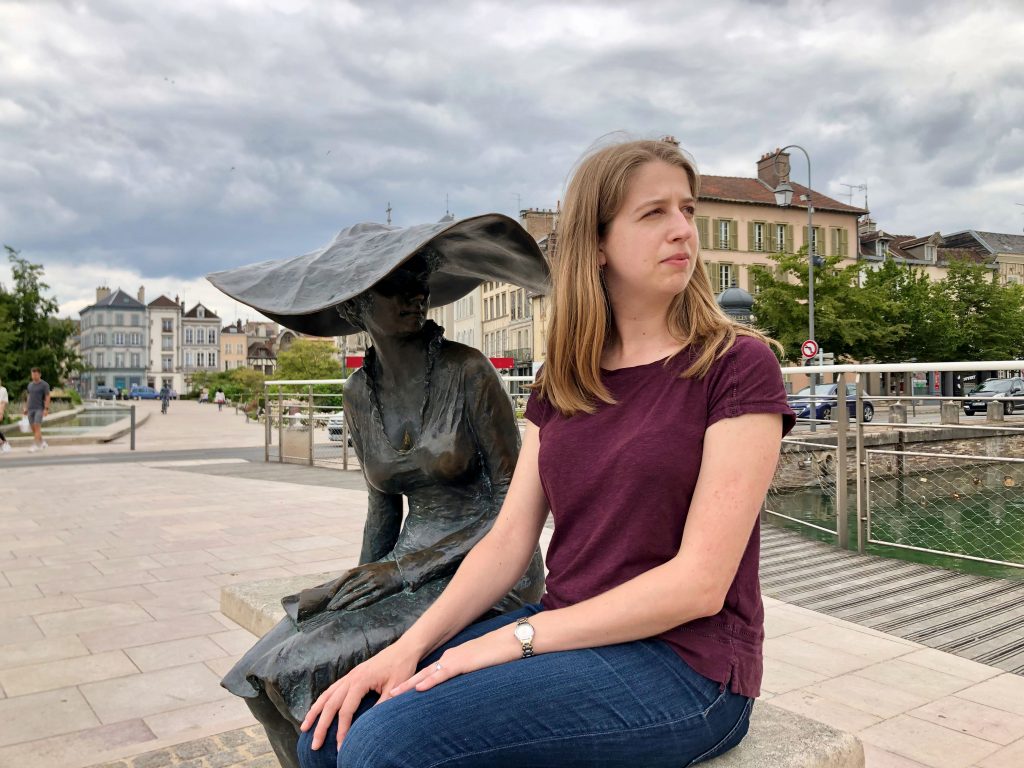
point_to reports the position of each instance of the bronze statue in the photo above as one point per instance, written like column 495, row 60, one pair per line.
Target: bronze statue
column 430, row 422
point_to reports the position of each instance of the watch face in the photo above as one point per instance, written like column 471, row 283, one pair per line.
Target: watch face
column 524, row 632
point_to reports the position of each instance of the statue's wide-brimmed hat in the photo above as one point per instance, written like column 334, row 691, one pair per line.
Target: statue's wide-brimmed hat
column 302, row 293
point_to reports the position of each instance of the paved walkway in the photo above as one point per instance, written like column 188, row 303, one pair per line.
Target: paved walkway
column 112, row 644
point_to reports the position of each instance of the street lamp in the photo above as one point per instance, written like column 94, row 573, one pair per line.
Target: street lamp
column 783, row 197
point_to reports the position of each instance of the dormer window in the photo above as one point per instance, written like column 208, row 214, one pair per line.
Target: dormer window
column 930, row 253
column 881, row 248
column 200, row 312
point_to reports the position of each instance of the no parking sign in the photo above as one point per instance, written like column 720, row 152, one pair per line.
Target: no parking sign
column 809, row 348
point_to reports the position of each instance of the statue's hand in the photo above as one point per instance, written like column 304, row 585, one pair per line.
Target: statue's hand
column 366, row 584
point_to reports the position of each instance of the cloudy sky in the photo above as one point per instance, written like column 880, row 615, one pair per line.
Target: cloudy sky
column 149, row 143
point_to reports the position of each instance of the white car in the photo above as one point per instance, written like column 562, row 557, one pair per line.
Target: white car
column 334, row 427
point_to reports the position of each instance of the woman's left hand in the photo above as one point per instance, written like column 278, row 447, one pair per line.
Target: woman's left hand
column 497, row 647
column 366, row 584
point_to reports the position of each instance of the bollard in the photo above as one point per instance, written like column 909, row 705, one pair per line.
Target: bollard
column 949, row 412
column 897, row 413
column 133, row 429
column 994, row 411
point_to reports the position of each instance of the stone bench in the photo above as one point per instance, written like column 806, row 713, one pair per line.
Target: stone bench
column 777, row 738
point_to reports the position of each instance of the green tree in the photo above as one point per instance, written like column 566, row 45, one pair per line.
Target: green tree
column 308, row 359
column 845, row 316
column 988, row 315
column 31, row 334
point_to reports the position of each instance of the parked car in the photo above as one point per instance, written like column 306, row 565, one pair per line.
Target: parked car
column 334, row 428
column 826, row 398
column 1000, row 389
column 106, row 393
column 143, row 393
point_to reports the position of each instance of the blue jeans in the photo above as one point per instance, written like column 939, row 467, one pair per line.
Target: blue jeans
column 633, row 704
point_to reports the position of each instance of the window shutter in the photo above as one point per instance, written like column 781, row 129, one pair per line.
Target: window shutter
column 750, row 235
column 713, row 276
column 703, row 232
column 843, row 242
column 789, row 239
column 716, row 224
column 807, row 241
column 734, row 236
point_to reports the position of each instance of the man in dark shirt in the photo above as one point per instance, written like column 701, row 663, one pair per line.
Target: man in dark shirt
column 36, row 407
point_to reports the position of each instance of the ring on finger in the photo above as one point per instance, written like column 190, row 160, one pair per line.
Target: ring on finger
column 438, row 667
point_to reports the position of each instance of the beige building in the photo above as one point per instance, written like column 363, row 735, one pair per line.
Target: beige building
column 200, row 342
column 164, row 366
column 234, row 347
column 467, row 324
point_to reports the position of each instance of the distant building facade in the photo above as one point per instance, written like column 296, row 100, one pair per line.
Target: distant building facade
column 164, row 362
column 234, row 347
column 200, row 342
column 114, row 341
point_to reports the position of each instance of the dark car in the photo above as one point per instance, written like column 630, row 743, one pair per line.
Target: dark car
column 106, row 393
column 825, row 400
column 1000, row 389
column 144, row 393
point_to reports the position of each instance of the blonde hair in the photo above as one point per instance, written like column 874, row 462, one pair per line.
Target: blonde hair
column 581, row 320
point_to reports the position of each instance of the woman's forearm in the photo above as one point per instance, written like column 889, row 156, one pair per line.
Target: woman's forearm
column 486, row 575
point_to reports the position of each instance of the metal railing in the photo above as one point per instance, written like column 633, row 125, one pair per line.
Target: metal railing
column 912, row 476
column 305, row 420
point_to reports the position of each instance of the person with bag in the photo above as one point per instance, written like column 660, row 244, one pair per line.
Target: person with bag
column 652, row 436
column 37, row 407
column 5, row 447
column 219, row 398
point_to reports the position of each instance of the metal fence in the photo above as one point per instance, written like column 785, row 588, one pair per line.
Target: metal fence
column 916, row 474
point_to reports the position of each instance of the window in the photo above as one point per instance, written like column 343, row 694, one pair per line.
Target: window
column 725, row 234
column 504, row 306
column 118, row 319
column 211, row 359
column 930, row 252
column 211, row 336
column 118, row 338
column 99, row 318
column 167, row 325
column 817, row 243
column 135, row 319
column 119, row 359
column 782, row 238
column 166, row 364
column 880, row 248
column 238, row 349
column 201, row 312
column 100, row 338
column 200, row 359
column 99, row 359
column 189, row 359
column 135, row 339
column 840, row 242
column 758, row 236
column 136, row 360
column 726, row 276
column 167, row 343
column 188, row 335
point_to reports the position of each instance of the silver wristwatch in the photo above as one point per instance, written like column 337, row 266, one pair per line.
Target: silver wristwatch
column 524, row 634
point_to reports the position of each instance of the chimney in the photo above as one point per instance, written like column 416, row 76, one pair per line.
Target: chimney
column 539, row 222
column 101, row 293
column 238, row 325
column 142, row 294
column 771, row 172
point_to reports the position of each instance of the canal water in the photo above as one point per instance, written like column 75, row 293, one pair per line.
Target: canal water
column 965, row 510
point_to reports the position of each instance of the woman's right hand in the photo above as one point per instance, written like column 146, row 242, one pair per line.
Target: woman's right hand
column 381, row 673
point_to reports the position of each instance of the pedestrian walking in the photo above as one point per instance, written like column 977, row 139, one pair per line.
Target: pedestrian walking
column 165, row 397
column 37, row 406
column 5, row 446
column 219, row 398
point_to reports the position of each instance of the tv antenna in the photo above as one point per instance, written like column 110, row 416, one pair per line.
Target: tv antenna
column 519, row 202
column 388, row 211
column 851, row 188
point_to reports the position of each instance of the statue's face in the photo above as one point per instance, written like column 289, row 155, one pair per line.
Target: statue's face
column 400, row 301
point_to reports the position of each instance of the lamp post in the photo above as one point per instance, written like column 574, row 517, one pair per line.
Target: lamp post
column 783, row 197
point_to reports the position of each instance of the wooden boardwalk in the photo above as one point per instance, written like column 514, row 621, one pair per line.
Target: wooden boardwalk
column 975, row 617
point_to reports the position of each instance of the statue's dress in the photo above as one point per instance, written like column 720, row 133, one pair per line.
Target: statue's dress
column 454, row 476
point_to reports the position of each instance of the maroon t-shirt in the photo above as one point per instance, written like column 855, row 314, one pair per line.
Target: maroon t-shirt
column 619, row 482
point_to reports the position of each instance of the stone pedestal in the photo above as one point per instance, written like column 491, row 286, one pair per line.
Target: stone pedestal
column 897, row 413
column 949, row 413
column 994, row 411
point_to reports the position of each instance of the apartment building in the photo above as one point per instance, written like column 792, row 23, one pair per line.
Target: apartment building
column 234, row 347
column 114, row 341
column 164, row 362
column 200, row 342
